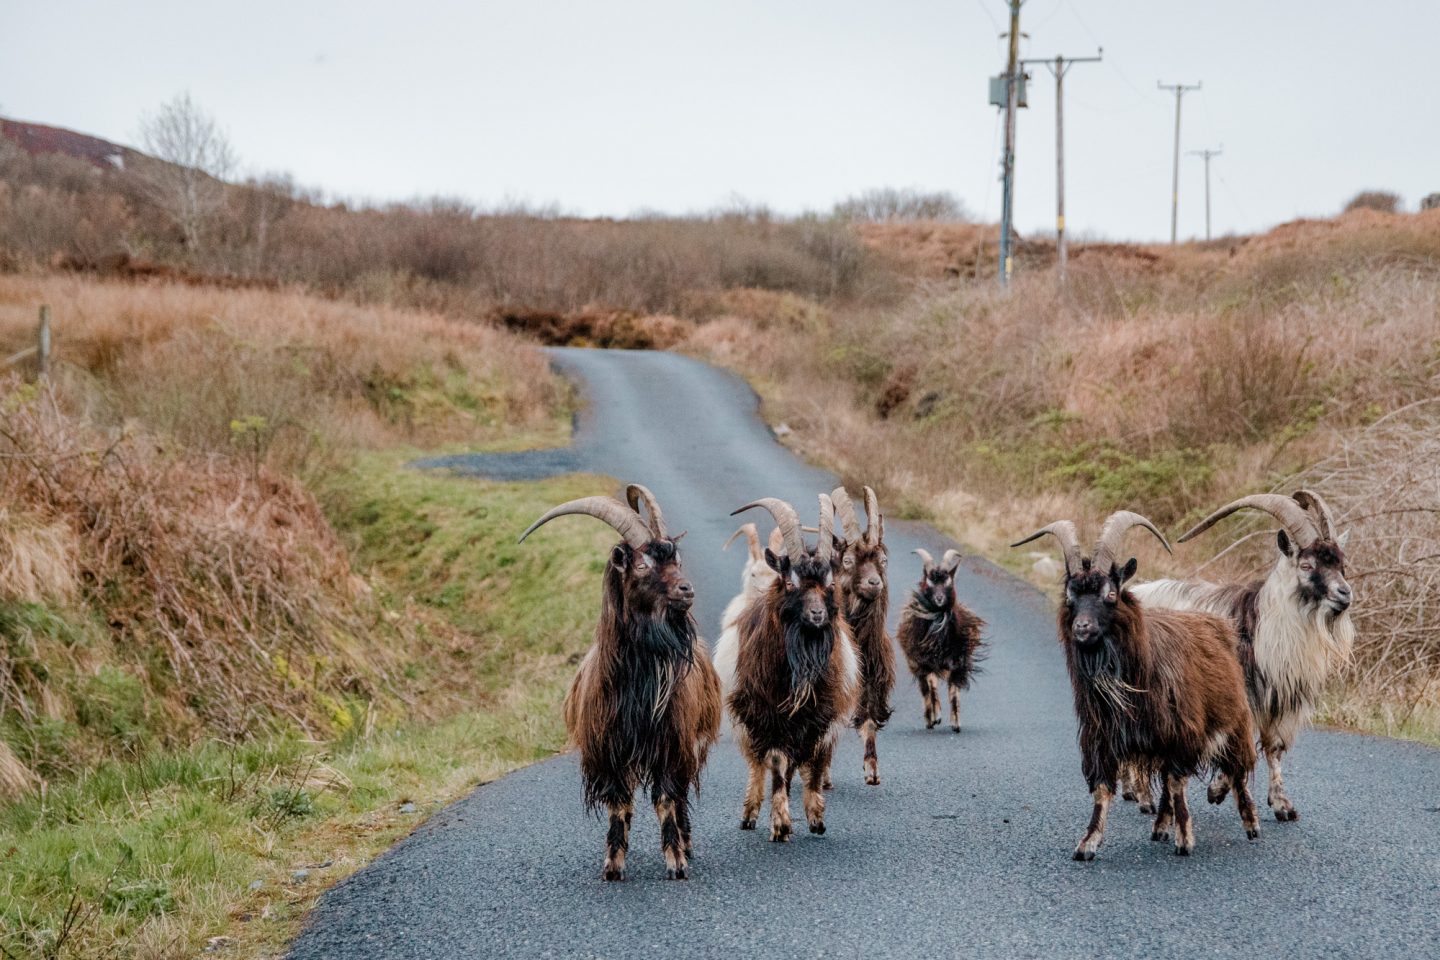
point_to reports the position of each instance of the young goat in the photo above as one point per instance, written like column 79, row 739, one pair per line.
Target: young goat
column 755, row 578
column 1294, row 625
column 1159, row 689
column 940, row 637
column 865, row 588
column 644, row 708
column 796, row 674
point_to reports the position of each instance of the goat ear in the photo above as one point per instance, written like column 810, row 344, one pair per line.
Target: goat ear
column 620, row 556
column 841, row 545
column 780, row 563
column 1282, row 540
column 1128, row 571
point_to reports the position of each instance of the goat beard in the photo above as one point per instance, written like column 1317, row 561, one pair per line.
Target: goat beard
column 1103, row 669
column 807, row 653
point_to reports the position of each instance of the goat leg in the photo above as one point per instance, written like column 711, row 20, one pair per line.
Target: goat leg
column 1184, row 826
column 1245, row 803
column 954, row 707
column 813, row 788
column 930, row 689
column 1135, row 778
column 1276, row 796
column 671, row 842
column 1095, row 833
column 617, row 840
column 1219, row 788
column 872, row 759
column 754, row 796
column 1164, row 817
column 780, row 773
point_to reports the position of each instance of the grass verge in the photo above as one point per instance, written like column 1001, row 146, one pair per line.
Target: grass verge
column 225, row 845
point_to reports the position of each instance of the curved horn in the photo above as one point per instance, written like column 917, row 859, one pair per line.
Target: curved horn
column 925, row 558
column 1112, row 533
column 788, row 522
column 845, row 507
column 636, row 494
column 625, row 521
column 825, row 544
column 874, row 519
column 951, row 560
column 1293, row 517
column 776, row 542
column 752, row 539
column 1064, row 531
column 1319, row 512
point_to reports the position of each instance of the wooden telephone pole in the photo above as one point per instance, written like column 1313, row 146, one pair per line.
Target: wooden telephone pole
column 1058, row 68
column 1207, row 154
column 1013, row 79
column 1180, row 91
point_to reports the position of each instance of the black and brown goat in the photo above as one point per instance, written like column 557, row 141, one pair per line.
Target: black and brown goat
column 940, row 637
column 796, row 674
column 644, row 708
column 1158, row 689
column 864, row 583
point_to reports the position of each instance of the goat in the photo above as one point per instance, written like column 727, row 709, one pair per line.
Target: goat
column 1160, row 689
column 940, row 637
column 755, row 577
column 1294, row 625
column 644, row 708
column 865, row 586
column 796, row 674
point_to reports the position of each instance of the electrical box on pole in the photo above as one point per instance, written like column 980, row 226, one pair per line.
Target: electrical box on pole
column 999, row 91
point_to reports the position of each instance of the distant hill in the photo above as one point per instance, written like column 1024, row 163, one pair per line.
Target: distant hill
column 36, row 139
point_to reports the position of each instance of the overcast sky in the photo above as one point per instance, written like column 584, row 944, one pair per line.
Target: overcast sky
column 607, row 108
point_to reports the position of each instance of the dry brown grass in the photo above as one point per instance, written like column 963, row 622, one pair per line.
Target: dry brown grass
column 1168, row 382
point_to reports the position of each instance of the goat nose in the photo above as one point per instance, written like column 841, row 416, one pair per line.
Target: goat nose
column 686, row 588
column 872, row 582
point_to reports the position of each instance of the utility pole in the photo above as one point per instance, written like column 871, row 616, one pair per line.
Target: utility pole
column 1058, row 68
column 1207, row 154
column 1007, row 164
column 1180, row 91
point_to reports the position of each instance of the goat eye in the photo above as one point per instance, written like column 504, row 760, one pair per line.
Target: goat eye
column 849, row 562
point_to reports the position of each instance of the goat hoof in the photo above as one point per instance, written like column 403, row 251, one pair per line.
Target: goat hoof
column 817, row 827
column 1252, row 834
column 931, row 724
column 1084, row 855
column 780, row 835
column 1129, row 796
column 612, row 875
column 873, row 779
column 1284, row 815
column 748, row 824
column 677, row 873
column 956, row 728
column 1148, row 809
column 828, row 784
column 1183, row 851
column 1160, row 836
column 1217, row 796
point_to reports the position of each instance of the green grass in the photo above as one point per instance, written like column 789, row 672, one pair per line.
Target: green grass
column 154, row 856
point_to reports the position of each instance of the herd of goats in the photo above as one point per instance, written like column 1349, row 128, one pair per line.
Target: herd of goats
column 1171, row 678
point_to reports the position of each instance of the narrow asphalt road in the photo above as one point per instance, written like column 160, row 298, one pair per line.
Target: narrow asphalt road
column 964, row 849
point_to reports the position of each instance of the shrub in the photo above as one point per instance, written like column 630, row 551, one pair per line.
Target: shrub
column 1380, row 200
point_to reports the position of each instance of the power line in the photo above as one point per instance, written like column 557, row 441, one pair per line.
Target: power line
column 1180, row 90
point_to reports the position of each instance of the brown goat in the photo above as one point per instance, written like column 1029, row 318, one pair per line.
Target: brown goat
column 796, row 674
column 644, row 707
column 864, row 584
column 1158, row 689
column 940, row 637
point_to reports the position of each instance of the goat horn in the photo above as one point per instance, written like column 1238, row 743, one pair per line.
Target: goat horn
column 1112, row 533
column 776, row 543
column 1319, row 512
column 636, row 494
column 1293, row 517
column 951, row 560
column 925, row 558
column 825, row 544
column 752, row 538
column 788, row 522
column 1064, row 531
column 845, row 507
column 626, row 522
column 874, row 519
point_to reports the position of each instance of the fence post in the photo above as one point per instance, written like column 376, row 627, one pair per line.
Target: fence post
column 42, row 347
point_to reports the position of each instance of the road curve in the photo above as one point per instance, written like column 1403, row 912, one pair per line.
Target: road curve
column 964, row 850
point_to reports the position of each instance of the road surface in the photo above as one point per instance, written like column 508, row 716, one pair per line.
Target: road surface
column 963, row 850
